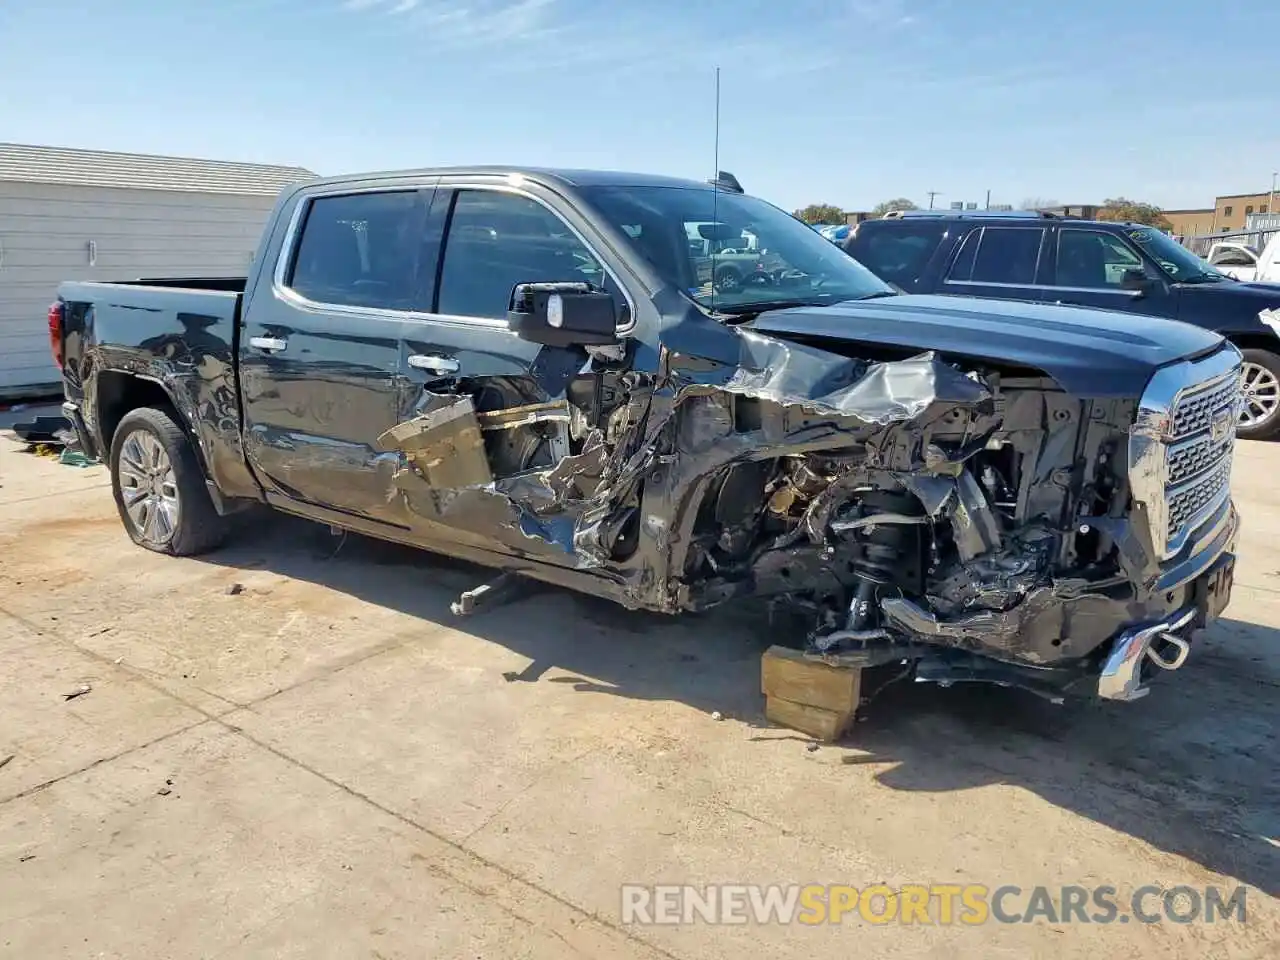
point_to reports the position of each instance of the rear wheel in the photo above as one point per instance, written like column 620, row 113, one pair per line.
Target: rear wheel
column 159, row 487
column 1260, row 385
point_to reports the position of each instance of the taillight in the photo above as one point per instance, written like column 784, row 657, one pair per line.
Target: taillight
column 57, row 312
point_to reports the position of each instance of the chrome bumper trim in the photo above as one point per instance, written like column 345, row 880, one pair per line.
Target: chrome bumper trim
column 1211, row 542
column 1121, row 677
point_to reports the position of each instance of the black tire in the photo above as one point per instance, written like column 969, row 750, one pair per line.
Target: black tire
column 197, row 527
column 1268, row 427
column 728, row 280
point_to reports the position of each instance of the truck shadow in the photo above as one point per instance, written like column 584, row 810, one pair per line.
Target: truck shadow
column 1190, row 770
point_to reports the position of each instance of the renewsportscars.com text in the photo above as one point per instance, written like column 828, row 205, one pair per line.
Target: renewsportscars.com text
column 934, row 904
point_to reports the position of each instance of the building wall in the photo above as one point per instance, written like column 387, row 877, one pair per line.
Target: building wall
column 1085, row 211
column 45, row 232
column 1191, row 223
column 1230, row 211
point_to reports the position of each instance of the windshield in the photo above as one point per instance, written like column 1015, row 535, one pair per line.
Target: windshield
column 1177, row 261
column 732, row 253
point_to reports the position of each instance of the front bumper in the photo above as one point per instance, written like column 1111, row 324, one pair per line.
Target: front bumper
column 1204, row 579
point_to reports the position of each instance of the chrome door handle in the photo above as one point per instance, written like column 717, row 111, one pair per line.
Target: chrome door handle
column 433, row 363
column 270, row 344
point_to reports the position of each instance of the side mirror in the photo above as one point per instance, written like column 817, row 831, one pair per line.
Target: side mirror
column 566, row 314
column 1136, row 281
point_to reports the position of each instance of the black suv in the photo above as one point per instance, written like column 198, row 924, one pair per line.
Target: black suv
column 1126, row 267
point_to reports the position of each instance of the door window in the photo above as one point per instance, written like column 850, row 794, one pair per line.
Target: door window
column 1000, row 255
column 1093, row 260
column 360, row 250
column 497, row 240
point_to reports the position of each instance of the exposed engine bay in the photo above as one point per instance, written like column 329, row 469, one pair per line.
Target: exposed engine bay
column 900, row 504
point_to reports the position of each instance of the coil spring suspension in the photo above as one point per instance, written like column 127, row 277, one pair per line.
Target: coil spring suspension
column 885, row 549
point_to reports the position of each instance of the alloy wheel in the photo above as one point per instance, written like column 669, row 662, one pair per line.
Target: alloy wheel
column 148, row 487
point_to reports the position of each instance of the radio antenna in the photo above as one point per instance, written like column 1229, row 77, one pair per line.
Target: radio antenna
column 715, row 173
column 715, row 195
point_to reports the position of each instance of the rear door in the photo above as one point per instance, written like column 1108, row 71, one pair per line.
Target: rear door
column 492, row 237
column 1089, row 270
column 1000, row 262
column 321, row 343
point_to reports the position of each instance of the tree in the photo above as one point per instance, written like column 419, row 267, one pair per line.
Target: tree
column 1120, row 208
column 901, row 203
column 820, row 213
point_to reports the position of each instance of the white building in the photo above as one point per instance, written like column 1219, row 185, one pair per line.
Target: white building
column 91, row 215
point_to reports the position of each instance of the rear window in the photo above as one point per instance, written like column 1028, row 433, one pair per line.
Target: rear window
column 895, row 250
column 361, row 250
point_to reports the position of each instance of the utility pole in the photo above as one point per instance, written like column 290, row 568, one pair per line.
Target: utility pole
column 1271, row 198
column 934, row 193
column 988, row 199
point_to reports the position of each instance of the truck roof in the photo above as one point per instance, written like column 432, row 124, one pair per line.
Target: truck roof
column 548, row 176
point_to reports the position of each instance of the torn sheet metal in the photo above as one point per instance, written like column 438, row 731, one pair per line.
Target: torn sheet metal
column 654, row 507
column 443, row 446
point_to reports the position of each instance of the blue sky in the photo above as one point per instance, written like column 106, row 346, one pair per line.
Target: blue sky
column 842, row 101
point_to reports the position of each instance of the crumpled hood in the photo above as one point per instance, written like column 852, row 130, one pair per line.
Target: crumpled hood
column 1090, row 353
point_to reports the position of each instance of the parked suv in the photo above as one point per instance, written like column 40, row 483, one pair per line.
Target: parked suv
column 1044, row 258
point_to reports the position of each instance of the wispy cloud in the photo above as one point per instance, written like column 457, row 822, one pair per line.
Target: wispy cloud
column 771, row 47
column 459, row 25
column 883, row 13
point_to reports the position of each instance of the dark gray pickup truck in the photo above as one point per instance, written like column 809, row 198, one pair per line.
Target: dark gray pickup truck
column 529, row 369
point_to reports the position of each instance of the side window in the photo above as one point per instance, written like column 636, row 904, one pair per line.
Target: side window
column 360, row 250
column 897, row 253
column 1007, row 255
column 962, row 267
column 1094, row 260
column 998, row 255
column 497, row 240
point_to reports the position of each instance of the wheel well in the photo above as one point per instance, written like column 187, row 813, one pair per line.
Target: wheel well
column 118, row 393
column 1256, row 341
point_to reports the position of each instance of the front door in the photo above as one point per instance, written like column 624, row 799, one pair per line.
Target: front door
column 1096, row 268
column 498, row 406
column 320, row 349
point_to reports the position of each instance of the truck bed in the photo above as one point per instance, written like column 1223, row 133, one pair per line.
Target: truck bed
column 180, row 336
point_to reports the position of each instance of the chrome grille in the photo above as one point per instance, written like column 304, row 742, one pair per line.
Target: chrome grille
column 1187, row 502
column 1198, row 462
column 1186, row 458
column 1181, row 446
column 1194, row 411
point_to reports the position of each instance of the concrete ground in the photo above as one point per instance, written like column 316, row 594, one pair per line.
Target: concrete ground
column 325, row 763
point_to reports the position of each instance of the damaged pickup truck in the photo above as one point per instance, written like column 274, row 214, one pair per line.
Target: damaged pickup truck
column 536, row 371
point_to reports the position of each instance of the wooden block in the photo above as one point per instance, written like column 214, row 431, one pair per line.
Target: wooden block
column 788, row 675
column 828, row 725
